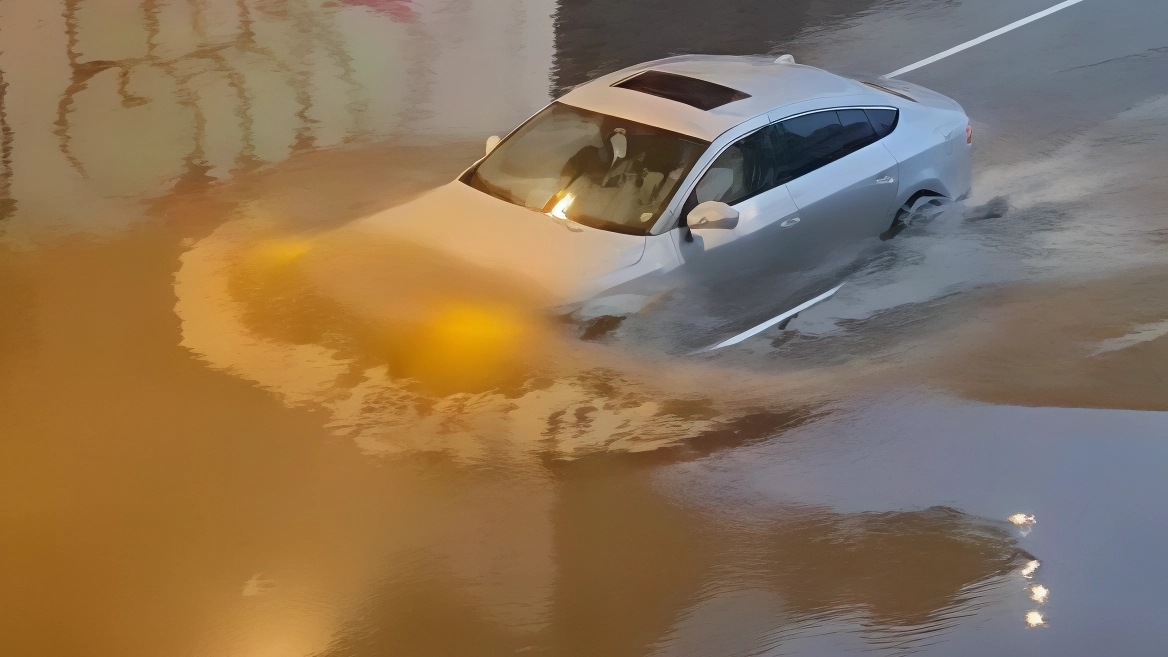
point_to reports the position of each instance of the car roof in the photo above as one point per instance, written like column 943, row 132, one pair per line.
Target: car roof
column 770, row 85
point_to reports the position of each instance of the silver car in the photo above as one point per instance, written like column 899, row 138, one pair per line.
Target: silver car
column 713, row 172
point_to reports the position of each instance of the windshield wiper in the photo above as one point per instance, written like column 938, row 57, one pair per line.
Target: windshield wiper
column 612, row 226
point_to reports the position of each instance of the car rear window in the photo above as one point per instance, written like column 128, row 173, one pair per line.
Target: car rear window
column 691, row 91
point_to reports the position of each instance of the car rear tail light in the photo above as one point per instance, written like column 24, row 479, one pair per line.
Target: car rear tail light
column 969, row 133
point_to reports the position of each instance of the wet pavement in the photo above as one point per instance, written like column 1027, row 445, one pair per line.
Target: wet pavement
column 231, row 426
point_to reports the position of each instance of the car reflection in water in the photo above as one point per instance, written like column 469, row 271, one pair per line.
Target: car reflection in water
column 634, row 570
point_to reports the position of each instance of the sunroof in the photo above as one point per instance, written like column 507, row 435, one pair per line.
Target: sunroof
column 691, row 91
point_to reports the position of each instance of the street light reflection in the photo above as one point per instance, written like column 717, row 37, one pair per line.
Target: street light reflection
column 1029, row 568
column 1039, row 593
column 1021, row 519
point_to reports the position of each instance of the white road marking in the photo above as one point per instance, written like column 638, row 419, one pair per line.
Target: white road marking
column 775, row 320
column 982, row 39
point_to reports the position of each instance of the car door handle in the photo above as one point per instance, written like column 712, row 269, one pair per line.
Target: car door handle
column 790, row 222
column 885, row 180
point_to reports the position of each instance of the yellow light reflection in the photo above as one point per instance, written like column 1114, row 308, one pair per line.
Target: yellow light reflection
column 1029, row 568
column 275, row 253
column 1039, row 593
column 464, row 343
column 561, row 208
column 463, row 326
column 1034, row 619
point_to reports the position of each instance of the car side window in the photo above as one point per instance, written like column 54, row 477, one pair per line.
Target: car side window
column 857, row 133
column 814, row 140
column 883, row 120
column 748, row 167
column 810, row 141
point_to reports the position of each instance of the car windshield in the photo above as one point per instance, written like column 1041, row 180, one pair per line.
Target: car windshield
column 591, row 168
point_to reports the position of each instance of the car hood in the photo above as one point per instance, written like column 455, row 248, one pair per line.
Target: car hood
column 564, row 258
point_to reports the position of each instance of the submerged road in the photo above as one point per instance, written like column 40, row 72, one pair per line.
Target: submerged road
column 209, row 445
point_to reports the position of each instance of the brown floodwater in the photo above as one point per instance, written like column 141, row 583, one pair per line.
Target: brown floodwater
column 233, row 424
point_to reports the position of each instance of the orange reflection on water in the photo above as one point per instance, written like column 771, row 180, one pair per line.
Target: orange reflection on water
column 464, row 342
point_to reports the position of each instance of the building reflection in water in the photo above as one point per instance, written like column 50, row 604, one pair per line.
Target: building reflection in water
column 107, row 102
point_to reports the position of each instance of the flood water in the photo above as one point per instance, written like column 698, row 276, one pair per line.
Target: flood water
column 231, row 424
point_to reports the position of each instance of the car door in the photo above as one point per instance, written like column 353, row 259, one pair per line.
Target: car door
column 842, row 179
column 745, row 176
column 737, row 278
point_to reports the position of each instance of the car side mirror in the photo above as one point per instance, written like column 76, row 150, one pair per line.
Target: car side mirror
column 712, row 214
column 492, row 142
